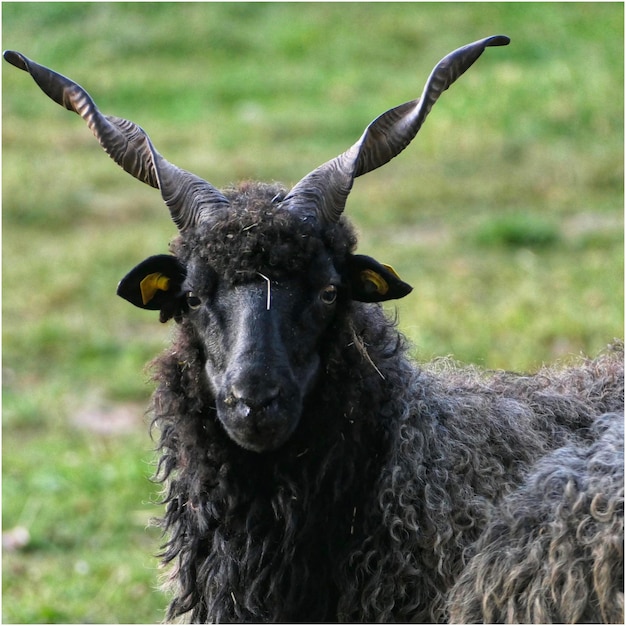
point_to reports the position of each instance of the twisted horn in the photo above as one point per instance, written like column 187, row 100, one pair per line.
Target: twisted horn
column 189, row 198
column 325, row 190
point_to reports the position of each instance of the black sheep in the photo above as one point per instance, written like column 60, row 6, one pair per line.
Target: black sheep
column 312, row 471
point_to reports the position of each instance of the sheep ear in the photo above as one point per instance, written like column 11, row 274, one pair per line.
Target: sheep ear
column 371, row 281
column 155, row 284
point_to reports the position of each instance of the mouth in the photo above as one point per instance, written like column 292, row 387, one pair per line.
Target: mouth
column 259, row 429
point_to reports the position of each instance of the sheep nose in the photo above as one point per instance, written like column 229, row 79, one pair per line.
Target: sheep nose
column 256, row 399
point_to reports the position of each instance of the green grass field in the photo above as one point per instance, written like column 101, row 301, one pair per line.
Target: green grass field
column 505, row 214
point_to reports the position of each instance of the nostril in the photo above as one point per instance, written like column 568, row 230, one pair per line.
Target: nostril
column 254, row 398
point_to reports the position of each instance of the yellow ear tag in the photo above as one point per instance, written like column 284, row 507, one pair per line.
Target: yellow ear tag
column 388, row 267
column 370, row 276
column 151, row 284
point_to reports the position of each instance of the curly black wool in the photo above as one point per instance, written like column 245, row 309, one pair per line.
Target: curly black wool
column 255, row 236
column 554, row 550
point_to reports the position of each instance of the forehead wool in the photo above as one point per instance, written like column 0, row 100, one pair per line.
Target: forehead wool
column 254, row 235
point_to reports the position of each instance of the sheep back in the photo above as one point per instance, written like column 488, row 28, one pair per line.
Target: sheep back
column 553, row 550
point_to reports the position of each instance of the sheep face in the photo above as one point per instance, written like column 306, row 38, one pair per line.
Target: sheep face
column 258, row 285
column 261, row 343
column 258, row 374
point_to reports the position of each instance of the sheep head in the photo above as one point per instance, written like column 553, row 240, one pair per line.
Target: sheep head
column 258, row 273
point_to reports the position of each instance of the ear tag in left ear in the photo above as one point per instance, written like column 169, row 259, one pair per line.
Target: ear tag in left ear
column 151, row 284
column 370, row 277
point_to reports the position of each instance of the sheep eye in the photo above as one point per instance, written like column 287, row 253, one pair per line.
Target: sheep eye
column 328, row 295
column 193, row 302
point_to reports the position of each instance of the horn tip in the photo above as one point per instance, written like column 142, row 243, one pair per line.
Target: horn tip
column 498, row 40
column 15, row 58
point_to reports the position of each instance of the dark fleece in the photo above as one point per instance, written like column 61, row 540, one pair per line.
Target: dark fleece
column 256, row 236
column 554, row 551
column 368, row 511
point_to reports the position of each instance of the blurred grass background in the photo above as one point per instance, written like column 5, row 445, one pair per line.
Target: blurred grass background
column 505, row 214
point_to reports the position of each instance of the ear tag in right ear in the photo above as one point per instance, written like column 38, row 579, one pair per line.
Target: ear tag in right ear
column 151, row 284
column 370, row 277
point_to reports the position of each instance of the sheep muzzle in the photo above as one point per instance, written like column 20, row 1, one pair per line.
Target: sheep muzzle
column 260, row 418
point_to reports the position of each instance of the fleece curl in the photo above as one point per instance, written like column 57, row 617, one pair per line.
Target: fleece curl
column 255, row 235
column 464, row 441
column 553, row 552
column 371, row 509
